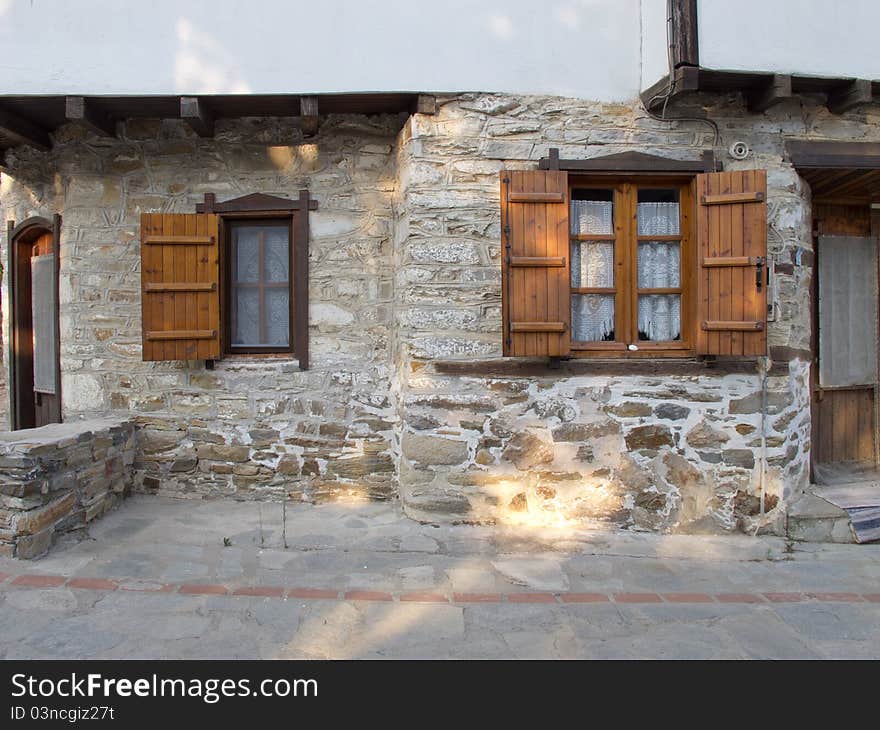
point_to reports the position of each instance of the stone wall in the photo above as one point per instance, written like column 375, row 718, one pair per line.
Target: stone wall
column 670, row 452
column 252, row 427
column 60, row 477
column 408, row 393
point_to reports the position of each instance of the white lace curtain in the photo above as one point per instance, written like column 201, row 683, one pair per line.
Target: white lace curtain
column 592, row 265
column 659, row 317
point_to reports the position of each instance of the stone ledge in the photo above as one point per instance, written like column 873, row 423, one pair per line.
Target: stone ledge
column 59, row 477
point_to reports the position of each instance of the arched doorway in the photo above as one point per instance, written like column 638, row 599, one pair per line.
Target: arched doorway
column 34, row 357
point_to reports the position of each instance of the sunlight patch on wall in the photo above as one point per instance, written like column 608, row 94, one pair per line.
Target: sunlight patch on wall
column 204, row 66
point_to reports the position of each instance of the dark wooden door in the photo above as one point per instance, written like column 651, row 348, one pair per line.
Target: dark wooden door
column 35, row 387
column 844, row 413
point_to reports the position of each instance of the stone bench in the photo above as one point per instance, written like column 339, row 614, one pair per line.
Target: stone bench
column 60, row 477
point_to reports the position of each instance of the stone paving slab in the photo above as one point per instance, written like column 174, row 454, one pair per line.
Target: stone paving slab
column 157, row 579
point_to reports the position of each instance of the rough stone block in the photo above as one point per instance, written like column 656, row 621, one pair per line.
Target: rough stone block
column 650, row 437
column 36, row 520
column 434, row 450
column 32, row 546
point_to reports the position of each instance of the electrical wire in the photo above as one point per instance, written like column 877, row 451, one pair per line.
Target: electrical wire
column 670, row 89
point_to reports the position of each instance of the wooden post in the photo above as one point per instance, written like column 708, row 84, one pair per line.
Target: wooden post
column 195, row 112
column 308, row 110
column 82, row 110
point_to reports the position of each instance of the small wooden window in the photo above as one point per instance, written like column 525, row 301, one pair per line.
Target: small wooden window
column 231, row 278
column 260, row 297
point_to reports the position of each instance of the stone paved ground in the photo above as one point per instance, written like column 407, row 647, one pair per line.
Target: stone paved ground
column 154, row 579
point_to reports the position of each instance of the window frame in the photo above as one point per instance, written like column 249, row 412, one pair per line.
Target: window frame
column 227, row 221
column 625, row 187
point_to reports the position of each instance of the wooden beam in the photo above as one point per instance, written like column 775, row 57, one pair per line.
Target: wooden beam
column 731, row 198
column 775, row 90
column 732, row 326
column 426, row 104
column 634, row 162
column 82, row 110
column 23, row 131
column 686, row 79
column 195, row 112
column 806, row 154
column 849, row 96
column 308, row 110
column 537, row 261
column 181, row 335
column 537, row 326
column 684, row 38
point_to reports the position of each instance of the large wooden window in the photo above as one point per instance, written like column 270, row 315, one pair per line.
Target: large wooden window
column 632, row 285
column 634, row 265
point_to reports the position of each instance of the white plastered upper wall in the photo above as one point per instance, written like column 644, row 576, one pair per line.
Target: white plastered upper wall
column 579, row 48
column 807, row 37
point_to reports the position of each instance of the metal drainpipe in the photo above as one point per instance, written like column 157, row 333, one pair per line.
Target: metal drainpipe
column 763, row 369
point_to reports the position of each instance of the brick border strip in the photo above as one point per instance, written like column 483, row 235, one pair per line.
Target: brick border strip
column 39, row 580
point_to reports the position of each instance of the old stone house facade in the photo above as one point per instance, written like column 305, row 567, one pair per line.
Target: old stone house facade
column 408, row 393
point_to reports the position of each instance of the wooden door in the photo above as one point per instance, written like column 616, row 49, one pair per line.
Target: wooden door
column 35, row 390
column 845, row 341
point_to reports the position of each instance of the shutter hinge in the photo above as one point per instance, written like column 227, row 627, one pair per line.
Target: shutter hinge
column 507, row 234
column 759, row 263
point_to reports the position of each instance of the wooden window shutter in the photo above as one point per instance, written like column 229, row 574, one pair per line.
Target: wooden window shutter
column 535, row 266
column 180, row 287
column 732, row 249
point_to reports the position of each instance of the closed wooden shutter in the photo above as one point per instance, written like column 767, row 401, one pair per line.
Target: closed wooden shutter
column 180, row 302
column 536, row 300
column 732, row 246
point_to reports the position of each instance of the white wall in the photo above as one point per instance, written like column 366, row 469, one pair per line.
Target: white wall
column 585, row 48
column 810, row 37
column 655, row 56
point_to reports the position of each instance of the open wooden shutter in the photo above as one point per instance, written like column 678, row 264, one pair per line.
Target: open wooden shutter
column 180, row 282
column 732, row 246
column 536, row 300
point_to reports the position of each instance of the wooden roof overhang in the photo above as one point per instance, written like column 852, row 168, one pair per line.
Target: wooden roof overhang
column 838, row 171
column 762, row 90
column 31, row 119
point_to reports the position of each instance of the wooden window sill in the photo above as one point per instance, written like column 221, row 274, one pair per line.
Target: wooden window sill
column 579, row 366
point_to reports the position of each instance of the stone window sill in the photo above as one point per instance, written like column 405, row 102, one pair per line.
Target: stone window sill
column 244, row 361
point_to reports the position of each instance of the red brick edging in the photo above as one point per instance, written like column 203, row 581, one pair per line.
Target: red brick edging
column 38, row 580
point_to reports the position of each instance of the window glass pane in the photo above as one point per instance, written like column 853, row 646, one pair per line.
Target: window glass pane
column 660, row 317
column 246, row 317
column 592, row 317
column 277, row 317
column 592, row 211
column 658, row 212
column 659, row 264
column 246, row 254
column 592, row 263
column 260, row 284
column 277, row 254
